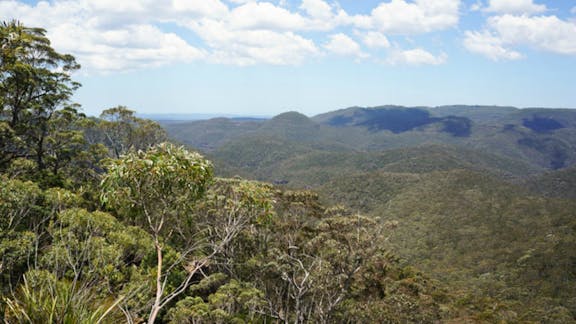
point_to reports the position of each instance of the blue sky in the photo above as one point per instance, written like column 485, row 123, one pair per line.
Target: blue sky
column 265, row 57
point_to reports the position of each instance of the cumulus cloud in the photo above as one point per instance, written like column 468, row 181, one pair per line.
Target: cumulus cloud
column 102, row 42
column 416, row 56
column 318, row 9
column 112, row 35
column 247, row 47
column 374, row 39
column 545, row 33
column 515, row 7
column 204, row 8
column 342, row 44
column 135, row 47
column 264, row 15
column 420, row 16
column 489, row 45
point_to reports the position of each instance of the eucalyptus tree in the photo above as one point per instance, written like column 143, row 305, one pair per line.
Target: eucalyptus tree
column 121, row 130
column 167, row 190
column 35, row 81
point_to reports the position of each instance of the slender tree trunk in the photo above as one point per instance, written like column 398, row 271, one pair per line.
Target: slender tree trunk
column 40, row 153
column 156, row 307
column 15, row 120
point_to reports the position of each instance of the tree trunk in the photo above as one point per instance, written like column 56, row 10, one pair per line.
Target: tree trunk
column 40, row 153
column 156, row 307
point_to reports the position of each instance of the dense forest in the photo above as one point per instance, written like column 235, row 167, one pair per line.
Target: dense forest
column 111, row 219
column 491, row 219
column 481, row 197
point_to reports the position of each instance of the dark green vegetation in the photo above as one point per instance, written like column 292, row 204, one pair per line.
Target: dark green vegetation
column 480, row 198
column 439, row 215
column 103, row 221
column 541, row 139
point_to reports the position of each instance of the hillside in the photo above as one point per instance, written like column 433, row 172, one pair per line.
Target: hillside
column 477, row 233
column 541, row 138
column 477, row 194
column 389, row 214
column 208, row 134
column 559, row 183
column 301, row 165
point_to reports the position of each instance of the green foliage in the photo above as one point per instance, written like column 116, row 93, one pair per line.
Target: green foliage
column 209, row 134
column 15, row 250
column 487, row 239
column 43, row 298
column 18, row 201
column 10, row 144
column 122, row 131
column 58, row 199
column 93, row 247
column 234, row 302
column 508, row 248
column 153, row 236
column 19, row 213
column 151, row 187
column 35, row 81
column 161, row 190
column 560, row 183
column 492, row 140
column 311, row 262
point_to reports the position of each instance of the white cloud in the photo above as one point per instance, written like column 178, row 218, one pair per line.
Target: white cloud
column 341, row 44
column 104, row 37
column 489, row 45
column 374, row 39
column 573, row 10
column 264, row 15
column 125, row 12
column 261, row 32
column 546, row 33
column 420, row 16
column 115, row 35
column 111, row 35
column 318, row 9
column 416, row 56
column 135, row 47
column 515, row 7
column 204, row 8
column 248, row 47
column 241, row 1
column 477, row 6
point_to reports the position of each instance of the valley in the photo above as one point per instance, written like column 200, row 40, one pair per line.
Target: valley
column 385, row 214
column 481, row 197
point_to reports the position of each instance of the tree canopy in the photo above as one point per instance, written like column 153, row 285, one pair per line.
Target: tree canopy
column 103, row 220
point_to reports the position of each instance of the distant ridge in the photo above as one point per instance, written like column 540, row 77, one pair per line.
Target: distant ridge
column 192, row 117
column 478, row 197
column 544, row 138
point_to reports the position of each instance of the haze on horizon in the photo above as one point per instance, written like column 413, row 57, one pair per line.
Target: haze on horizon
column 266, row 57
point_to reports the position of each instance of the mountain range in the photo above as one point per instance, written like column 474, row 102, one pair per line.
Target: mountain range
column 482, row 196
column 541, row 139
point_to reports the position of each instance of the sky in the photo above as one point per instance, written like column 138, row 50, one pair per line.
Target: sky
column 261, row 58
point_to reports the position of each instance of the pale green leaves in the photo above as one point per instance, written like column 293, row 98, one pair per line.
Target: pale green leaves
column 151, row 186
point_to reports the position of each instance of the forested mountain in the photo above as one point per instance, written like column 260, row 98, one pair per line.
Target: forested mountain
column 558, row 183
column 104, row 221
column 480, row 198
column 373, row 215
column 475, row 232
column 541, row 138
